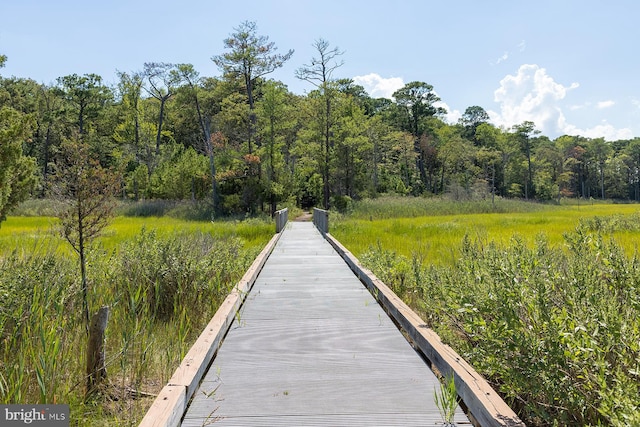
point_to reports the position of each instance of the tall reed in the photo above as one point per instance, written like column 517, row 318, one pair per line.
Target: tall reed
column 162, row 287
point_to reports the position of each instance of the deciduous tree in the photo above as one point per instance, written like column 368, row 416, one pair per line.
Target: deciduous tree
column 86, row 190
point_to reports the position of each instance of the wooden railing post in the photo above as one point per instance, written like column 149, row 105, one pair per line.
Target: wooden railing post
column 321, row 220
column 281, row 217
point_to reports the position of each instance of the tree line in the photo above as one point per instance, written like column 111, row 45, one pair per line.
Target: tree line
column 245, row 143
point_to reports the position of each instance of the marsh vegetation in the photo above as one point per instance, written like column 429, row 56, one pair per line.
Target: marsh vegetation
column 544, row 301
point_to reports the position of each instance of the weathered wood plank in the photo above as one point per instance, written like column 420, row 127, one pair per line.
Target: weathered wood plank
column 484, row 403
column 311, row 346
column 182, row 385
column 167, row 409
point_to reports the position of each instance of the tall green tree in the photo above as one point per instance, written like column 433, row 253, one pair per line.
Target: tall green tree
column 473, row 117
column 353, row 148
column 416, row 102
column 130, row 89
column 86, row 95
column 632, row 150
column 193, row 89
column 319, row 73
column 523, row 134
column 274, row 112
column 17, row 172
column 250, row 57
column 162, row 83
column 598, row 151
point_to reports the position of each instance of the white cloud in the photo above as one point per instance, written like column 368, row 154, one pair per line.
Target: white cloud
column 606, row 104
column 504, row 57
column 522, row 46
column 532, row 95
column 452, row 116
column 379, row 87
column 604, row 130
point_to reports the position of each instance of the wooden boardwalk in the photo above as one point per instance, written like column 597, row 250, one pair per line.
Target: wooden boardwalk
column 312, row 347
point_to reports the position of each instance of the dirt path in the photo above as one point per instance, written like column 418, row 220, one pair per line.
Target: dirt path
column 307, row 216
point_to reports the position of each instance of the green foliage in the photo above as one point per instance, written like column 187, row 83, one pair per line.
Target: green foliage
column 17, row 172
column 178, row 271
column 39, row 309
column 447, row 400
column 162, row 287
column 555, row 331
column 183, row 175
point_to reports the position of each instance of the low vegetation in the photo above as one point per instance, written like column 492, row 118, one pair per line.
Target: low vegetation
column 162, row 278
column 553, row 326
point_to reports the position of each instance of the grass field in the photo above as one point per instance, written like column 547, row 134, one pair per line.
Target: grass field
column 26, row 231
column 543, row 300
column 162, row 277
column 436, row 238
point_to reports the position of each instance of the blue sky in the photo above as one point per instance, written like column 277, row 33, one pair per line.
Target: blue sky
column 570, row 66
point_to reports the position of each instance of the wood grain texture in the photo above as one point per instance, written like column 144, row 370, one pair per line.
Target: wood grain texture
column 311, row 346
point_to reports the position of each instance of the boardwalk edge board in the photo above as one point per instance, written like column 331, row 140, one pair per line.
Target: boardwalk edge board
column 170, row 405
column 484, row 404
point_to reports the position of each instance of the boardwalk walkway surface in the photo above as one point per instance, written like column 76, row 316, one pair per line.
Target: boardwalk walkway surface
column 311, row 347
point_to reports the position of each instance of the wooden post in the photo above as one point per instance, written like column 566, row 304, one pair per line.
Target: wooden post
column 96, row 367
column 281, row 218
column 321, row 220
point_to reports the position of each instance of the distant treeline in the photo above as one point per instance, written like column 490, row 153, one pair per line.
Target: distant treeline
column 245, row 142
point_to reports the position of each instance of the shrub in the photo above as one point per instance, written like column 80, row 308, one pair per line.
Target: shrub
column 554, row 329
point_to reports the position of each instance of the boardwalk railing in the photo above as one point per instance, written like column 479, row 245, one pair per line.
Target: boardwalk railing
column 321, row 220
column 484, row 404
column 281, row 217
column 171, row 404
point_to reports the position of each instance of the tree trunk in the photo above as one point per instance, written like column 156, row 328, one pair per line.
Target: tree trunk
column 96, row 367
column 327, row 142
column 83, row 269
column 163, row 100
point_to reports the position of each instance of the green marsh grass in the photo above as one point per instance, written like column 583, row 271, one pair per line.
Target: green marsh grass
column 163, row 279
column 435, row 237
column 543, row 302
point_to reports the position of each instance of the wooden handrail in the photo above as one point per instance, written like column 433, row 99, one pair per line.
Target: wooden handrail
column 484, row 404
column 169, row 407
column 281, row 217
column 321, row 220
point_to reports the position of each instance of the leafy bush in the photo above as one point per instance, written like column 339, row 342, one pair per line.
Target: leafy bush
column 555, row 330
